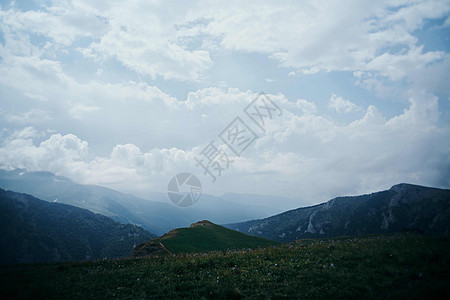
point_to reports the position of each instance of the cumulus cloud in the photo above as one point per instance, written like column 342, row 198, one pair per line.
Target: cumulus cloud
column 150, row 39
column 62, row 23
column 306, row 106
column 176, row 41
column 397, row 66
column 68, row 155
column 422, row 114
column 303, row 152
column 131, row 78
column 341, row 105
column 56, row 152
column 344, row 35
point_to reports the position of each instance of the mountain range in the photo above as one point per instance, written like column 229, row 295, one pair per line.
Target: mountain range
column 34, row 231
column 79, row 222
column 152, row 214
column 404, row 207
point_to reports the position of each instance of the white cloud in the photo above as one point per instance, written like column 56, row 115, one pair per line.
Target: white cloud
column 372, row 117
column 213, row 97
column 413, row 16
column 432, row 76
column 69, row 155
column 57, row 152
column 63, row 24
column 398, row 66
column 119, row 101
column 25, row 133
column 166, row 39
column 300, row 154
column 344, row 35
column 151, row 39
column 422, row 114
column 32, row 116
column 341, row 105
column 306, row 107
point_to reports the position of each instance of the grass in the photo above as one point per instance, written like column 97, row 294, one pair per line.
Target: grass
column 209, row 238
column 407, row 266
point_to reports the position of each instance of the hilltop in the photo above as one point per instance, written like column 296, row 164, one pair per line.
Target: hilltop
column 202, row 236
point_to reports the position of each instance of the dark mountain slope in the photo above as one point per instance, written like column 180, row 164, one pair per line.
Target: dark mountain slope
column 34, row 230
column 404, row 207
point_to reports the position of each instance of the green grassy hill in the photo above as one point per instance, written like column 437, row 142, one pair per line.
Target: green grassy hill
column 401, row 266
column 200, row 237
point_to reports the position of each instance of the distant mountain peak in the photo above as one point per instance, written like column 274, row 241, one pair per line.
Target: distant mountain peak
column 202, row 223
column 402, row 186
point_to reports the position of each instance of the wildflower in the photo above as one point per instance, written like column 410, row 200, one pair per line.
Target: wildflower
column 332, row 265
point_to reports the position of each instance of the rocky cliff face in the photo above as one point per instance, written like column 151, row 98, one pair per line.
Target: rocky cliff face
column 404, row 207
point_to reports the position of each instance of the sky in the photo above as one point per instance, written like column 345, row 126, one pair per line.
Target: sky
column 127, row 94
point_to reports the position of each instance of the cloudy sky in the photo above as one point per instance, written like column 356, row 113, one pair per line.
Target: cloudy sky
column 126, row 94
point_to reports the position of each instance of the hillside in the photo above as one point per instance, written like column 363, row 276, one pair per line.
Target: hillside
column 404, row 207
column 152, row 214
column 33, row 231
column 401, row 266
column 202, row 236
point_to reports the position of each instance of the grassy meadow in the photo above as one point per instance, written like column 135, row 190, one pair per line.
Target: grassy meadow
column 407, row 266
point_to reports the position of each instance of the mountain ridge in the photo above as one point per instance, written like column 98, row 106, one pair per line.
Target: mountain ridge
column 156, row 216
column 36, row 231
column 400, row 208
